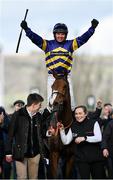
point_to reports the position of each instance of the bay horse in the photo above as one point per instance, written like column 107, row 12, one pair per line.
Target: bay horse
column 61, row 112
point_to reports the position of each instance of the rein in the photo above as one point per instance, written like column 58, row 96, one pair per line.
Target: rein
column 68, row 125
column 56, row 117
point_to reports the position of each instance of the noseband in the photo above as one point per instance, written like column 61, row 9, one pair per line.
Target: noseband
column 57, row 92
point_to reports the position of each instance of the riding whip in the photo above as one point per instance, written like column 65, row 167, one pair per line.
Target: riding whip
column 21, row 32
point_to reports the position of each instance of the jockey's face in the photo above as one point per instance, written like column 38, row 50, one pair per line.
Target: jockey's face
column 80, row 115
column 60, row 37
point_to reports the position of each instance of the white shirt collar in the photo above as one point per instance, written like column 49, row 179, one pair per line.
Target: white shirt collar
column 30, row 113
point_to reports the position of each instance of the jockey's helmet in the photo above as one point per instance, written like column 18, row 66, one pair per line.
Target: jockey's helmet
column 60, row 28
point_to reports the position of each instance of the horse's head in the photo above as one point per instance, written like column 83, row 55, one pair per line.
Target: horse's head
column 60, row 103
column 59, row 95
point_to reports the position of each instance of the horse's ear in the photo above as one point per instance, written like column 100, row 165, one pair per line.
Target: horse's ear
column 65, row 74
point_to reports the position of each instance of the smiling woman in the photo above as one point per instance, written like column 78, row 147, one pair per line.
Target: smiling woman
column 80, row 113
column 87, row 136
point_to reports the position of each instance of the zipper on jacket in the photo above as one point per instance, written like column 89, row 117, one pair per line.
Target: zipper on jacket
column 31, row 123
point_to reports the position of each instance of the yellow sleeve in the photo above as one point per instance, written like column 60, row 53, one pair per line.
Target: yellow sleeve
column 44, row 45
column 74, row 45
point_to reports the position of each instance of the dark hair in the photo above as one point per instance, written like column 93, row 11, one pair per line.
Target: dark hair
column 6, row 121
column 83, row 107
column 107, row 104
column 2, row 110
column 34, row 98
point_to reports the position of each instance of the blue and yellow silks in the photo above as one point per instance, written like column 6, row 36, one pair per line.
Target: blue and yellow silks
column 59, row 55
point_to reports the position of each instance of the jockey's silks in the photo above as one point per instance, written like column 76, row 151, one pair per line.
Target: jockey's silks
column 59, row 55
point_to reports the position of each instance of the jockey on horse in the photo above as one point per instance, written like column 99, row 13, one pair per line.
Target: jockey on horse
column 59, row 51
column 59, row 60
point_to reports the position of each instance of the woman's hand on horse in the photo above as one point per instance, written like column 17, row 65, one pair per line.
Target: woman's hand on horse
column 60, row 126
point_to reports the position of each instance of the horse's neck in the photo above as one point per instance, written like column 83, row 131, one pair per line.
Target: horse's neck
column 68, row 111
column 67, row 115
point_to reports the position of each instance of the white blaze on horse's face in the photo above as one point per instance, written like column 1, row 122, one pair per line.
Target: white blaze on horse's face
column 53, row 97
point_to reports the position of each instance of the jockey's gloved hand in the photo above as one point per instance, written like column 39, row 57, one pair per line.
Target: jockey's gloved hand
column 94, row 23
column 24, row 25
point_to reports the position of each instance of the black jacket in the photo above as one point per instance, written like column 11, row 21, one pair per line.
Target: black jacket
column 19, row 134
column 95, row 114
column 1, row 146
column 107, row 141
column 85, row 151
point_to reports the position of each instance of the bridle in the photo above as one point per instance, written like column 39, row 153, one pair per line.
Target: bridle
column 55, row 115
column 57, row 92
